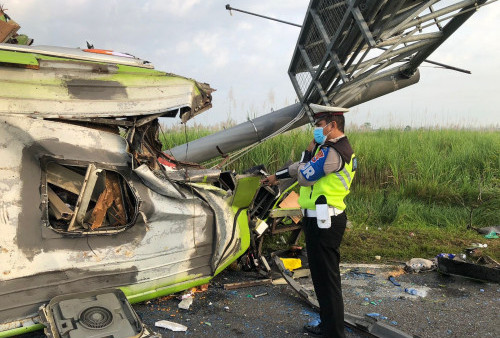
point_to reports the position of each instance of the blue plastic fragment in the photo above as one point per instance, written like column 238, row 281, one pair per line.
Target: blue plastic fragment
column 394, row 322
column 373, row 315
column 411, row 291
column 393, row 281
column 367, row 299
column 314, row 322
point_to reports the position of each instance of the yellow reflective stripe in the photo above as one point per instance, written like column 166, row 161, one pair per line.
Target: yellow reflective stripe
column 341, row 178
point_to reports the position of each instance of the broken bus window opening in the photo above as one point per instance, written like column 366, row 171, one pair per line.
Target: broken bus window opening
column 86, row 199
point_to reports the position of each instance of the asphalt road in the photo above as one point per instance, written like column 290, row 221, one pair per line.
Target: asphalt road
column 446, row 306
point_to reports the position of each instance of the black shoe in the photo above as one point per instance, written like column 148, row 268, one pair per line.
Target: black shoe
column 313, row 330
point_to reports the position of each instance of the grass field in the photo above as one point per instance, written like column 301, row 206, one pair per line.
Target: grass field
column 415, row 194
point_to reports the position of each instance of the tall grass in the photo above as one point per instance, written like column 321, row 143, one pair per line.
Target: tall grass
column 405, row 178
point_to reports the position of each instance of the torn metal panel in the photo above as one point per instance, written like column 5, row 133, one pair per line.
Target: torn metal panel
column 111, row 196
column 194, row 175
column 84, row 197
column 161, row 186
column 70, row 89
column 76, row 54
column 175, row 247
column 64, row 178
column 58, row 207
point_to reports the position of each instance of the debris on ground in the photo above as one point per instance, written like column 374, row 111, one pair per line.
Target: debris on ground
column 357, row 273
column 488, row 272
column 300, row 273
column 393, row 281
column 231, row 286
column 491, row 235
column 292, row 263
column 416, row 265
column 415, row 292
column 172, row 326
column 487, row 230
column 186, row 302
column 260, row 295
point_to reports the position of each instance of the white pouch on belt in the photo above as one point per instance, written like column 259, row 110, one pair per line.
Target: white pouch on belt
column 323, row 216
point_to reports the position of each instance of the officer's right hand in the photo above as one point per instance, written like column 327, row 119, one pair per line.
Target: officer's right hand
column 269, row 180
column 311, row 145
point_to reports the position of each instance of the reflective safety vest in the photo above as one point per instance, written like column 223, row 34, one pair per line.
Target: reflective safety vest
column 334, row 186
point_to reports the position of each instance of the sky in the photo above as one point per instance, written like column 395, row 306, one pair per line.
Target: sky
column 246, row 58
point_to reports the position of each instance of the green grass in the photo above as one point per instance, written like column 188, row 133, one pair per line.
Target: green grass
column 434, row 182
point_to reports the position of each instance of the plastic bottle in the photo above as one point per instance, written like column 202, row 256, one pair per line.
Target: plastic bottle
column 411, row 291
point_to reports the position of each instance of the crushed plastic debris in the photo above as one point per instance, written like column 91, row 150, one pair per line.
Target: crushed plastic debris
column 416, row 292
column 291, row 263
column 491, row 235
column 411, row 291
column 356, row 273
column 373, row 315
column 186, row 302
column 393, row 281
column 172, row 326
column 419, row 264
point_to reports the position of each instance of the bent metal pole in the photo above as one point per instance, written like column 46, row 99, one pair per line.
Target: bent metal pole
column 253, row 131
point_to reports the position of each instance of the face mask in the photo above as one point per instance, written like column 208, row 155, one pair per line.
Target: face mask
column 318, row 135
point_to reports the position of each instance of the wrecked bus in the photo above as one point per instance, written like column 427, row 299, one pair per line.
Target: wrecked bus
column 88, row 199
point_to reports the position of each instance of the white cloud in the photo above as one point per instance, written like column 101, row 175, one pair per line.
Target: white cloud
column 244, row 26
column 183, row 47
column 178, row 8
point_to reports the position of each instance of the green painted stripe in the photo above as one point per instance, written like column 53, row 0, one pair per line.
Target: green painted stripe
column 18, row 58
column 136, row 297
column 244, row 237
column 21, row 330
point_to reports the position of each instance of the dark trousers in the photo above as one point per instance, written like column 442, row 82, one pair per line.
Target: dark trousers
column 324, row 256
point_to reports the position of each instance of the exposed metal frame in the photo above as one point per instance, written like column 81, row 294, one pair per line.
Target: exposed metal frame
column 327, row 67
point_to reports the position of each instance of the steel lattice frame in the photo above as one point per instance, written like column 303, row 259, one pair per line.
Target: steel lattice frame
column 346, row 44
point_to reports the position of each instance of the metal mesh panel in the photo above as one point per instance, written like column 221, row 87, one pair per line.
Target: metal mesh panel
column 315, row 46
column 304, row 80
column 356, row 56
column 331, row 13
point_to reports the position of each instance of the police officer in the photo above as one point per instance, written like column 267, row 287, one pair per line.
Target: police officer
column 325, row 173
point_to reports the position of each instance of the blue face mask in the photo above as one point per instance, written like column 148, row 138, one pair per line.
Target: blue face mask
column 318, row 135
